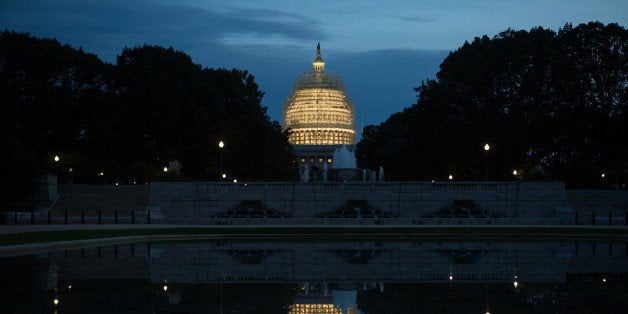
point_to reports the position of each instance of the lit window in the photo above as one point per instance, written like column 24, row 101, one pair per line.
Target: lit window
column 329, row 160
column 320, row 160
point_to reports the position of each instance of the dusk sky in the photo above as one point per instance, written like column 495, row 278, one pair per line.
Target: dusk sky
column 381, row 49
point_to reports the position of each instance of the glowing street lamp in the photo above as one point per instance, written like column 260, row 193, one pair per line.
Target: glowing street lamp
column 486, row 149
column 56, row 160
column 221, row 145
column 451, row 177
column 165, row 169
column 514, row 172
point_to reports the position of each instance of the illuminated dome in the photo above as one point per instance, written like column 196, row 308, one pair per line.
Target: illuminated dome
column 318, row 110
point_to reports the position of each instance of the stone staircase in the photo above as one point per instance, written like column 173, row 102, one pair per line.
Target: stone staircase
column 90, row 199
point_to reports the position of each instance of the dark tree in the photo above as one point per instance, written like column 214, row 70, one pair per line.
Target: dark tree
column 176, row 110
column 551, row 105
column 123, row 123
column 45, row 90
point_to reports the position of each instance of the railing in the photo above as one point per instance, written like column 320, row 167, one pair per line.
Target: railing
column 400, row 187
column 58, row 217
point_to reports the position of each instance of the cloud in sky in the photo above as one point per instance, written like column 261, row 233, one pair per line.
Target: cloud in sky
column 118, row 24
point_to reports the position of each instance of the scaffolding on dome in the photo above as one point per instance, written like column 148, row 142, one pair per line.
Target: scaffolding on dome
column 318, row 110
column 312, row 79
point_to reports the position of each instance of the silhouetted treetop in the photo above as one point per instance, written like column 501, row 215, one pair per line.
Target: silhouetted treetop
column 123, row 123
column 552, row 105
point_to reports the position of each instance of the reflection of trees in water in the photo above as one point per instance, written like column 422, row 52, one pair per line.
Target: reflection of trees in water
column 588, row 293
column 577, row 295
column 23, row 282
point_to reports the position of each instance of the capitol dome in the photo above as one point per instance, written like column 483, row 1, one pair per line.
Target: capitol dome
column 318, row 110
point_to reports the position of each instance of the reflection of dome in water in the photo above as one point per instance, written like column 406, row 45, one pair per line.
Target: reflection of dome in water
column 318, row 110
column 345, row 301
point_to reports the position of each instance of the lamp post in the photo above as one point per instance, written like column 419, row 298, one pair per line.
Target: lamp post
column 486, row 149
column 56, row 160
column 221, row 145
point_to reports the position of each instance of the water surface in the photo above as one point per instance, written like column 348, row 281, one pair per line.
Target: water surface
column 329, row 277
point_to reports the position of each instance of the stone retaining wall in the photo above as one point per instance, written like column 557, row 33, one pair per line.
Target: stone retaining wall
column 292, row 203
column 407, row 202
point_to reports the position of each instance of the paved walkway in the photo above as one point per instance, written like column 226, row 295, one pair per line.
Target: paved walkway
column 9, row 229
column 34, row 248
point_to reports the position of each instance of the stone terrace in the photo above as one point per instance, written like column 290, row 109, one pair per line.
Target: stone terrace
column 90, row 199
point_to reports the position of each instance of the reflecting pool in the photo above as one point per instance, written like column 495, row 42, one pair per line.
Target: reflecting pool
column 327, row 277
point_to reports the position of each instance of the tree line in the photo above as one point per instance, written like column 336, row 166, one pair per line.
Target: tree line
column 66, row 112
column 551, row 105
